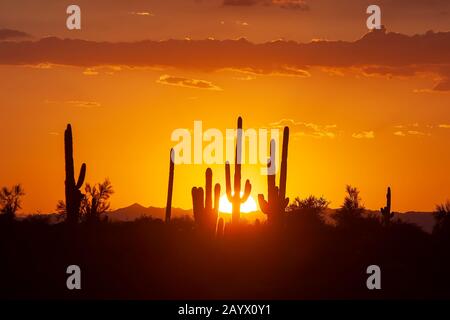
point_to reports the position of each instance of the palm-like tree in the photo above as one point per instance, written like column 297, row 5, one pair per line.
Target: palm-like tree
column 10, row 200
column 95, row 202
column 352, row 208
column 442, row 217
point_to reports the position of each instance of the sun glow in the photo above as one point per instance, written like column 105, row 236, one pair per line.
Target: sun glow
column 247, row 206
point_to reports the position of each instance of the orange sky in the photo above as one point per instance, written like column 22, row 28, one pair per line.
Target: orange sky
column 378, row 108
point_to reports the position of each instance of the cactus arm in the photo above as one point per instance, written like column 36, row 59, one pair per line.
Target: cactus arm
column 263, row 204
column 238, row 160
column 388, row 199
column 170, row 186
column 216, row 198
column 81, row 176
column 284, row 156
column 228, row 182
column 208, row 190
column 195, row 203
column 247, row 191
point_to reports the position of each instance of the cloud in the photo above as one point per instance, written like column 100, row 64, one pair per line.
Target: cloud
column 8, row 34
column 364, row 135
column 377, row 52
column 188, row 83
column 411, row 133
column 399, row 133
column 444, row 126
column 413, row 129
column 285, row 4
column 84, row 104
column 307, row 129
column 142, row 13
column 90, row 72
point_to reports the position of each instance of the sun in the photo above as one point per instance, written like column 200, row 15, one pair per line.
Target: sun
column 247, row 206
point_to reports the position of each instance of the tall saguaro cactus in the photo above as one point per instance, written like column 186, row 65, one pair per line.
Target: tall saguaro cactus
column 235, row 196
column 205, row 213
column 386, row 211
column 73, row 193
column 170, row 187
column 277, row 202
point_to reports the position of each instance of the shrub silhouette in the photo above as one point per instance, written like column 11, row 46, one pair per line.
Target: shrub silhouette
column 73, row 193
column 10, row 201
column 234, row 196
column 277, row 202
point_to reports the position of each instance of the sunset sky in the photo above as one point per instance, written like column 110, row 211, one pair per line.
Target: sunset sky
column 367, row 109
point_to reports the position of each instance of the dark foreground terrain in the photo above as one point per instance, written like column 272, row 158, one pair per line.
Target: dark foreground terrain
column 147, row 259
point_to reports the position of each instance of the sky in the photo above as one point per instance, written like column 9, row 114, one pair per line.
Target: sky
column 370, row 109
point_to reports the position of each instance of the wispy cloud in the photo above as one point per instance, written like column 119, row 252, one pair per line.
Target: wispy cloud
column 83, row 104
column 364, row 135
column 307, row 129
column 90, row 72
column 413, row 129
column 186, row 82
column 142, row 13
column 285, row 4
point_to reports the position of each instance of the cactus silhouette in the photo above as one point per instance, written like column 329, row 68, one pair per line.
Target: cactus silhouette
column 235, row 196
column 170, row 187
column 73, row 193
column 205, row 214
column 386, row 211
column 276, row 202
column 220, row 228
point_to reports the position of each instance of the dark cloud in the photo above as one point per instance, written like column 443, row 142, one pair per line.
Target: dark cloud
column 8, row 34
column 378, row 52
column 285, row 4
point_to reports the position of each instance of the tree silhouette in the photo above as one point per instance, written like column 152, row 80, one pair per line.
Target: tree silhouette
column 95, row 202
column 442, row 218
column 351, row 210
column 10, row 201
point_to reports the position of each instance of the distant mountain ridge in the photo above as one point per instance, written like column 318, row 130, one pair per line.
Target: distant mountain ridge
column 136, row 210
column 425, row 220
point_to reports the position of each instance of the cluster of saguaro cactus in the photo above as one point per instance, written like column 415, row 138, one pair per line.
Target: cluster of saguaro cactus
column 205, row 213
column 73, row 193
column 235, row 196
column 277, row 202
column 386, row 211
column 170, row 187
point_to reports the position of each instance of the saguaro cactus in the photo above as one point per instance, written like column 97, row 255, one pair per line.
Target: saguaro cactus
column 205, row 213
column 276, row 202
column 235, row 196
column 170, row 187
column 220, row 228
column 386, row 211
column 73, row 193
